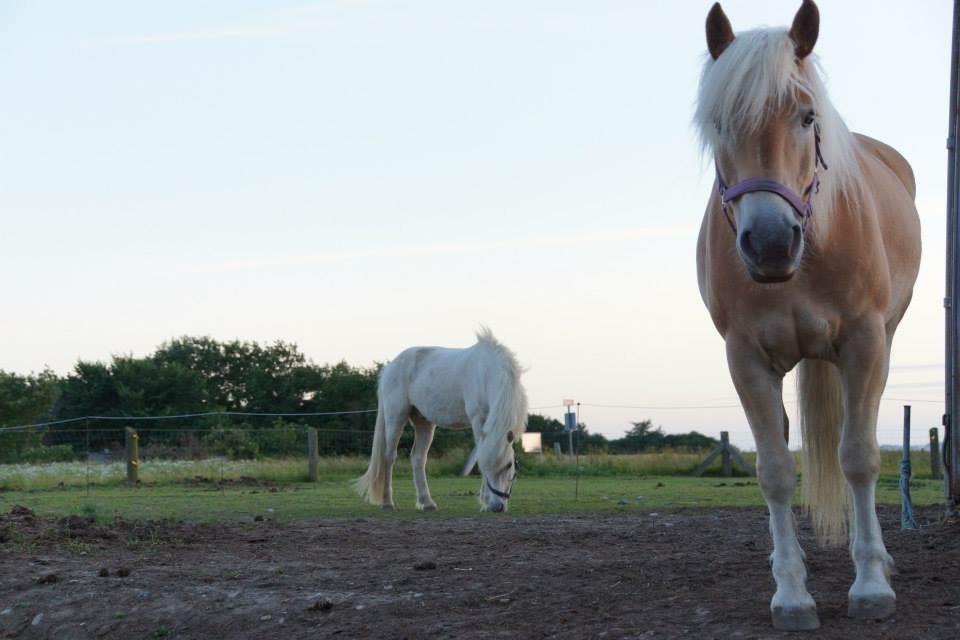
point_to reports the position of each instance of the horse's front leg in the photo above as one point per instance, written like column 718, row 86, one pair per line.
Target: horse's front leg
column 864, row 363
column 760, row 387
column 423, row 437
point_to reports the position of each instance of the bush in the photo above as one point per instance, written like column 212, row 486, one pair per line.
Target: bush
column 236, row 445
column 280, row 439
column 55, row 453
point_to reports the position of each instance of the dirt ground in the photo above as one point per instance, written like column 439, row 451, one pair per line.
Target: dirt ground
column 684, row 573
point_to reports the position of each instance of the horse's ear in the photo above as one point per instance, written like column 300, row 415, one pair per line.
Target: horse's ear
column 805, row 29
column 510, row 436
column 719, row 31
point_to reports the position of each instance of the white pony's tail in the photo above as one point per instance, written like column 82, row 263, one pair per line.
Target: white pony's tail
column 821, row 417
column 371, row 484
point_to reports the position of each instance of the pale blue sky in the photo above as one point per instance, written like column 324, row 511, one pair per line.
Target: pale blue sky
column 362, row 176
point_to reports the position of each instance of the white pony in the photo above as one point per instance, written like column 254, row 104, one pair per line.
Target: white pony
column 477, row 386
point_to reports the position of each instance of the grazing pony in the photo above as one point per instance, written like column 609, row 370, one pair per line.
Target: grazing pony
column 477, row 386
column 803, row 265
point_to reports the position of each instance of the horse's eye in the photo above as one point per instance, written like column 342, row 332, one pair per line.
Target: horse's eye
column 809, row 118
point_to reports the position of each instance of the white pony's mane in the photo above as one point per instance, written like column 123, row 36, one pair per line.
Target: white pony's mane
column 510, row 408
column 510, row 358
column 757, row 75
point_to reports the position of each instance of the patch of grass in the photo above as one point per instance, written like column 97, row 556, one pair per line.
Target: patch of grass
column 332, row 497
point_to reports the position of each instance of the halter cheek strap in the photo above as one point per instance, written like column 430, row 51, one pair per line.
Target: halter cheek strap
column 499, row 494
column 803, row 205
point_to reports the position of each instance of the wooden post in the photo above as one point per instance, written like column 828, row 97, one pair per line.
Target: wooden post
column 133, row 456
column 313, row 454
column 559, row 451
column 730, row 455
column 725, row 467
column 935, row 454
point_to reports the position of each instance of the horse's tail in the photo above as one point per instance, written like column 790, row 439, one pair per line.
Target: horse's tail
column 821, row 418
column 371, row 484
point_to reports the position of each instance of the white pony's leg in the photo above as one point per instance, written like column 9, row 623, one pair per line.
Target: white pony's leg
column 423, row 437
column 394, row 423
column 761, row 393
column 864, row 374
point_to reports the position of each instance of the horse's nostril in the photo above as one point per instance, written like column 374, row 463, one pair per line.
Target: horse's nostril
column 797, row 239
column 497, row 507
column 747, row 247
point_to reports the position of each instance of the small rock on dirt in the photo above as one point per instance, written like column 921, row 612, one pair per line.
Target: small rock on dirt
column 321, row 605
column 428, row 565
column 37, row 620
column 123, row 572
column 48, row 578
column 258, row 518
column 104, row 572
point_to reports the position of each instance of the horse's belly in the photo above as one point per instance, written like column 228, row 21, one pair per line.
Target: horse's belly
column 440, row 402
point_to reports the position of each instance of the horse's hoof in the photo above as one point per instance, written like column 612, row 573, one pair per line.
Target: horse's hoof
column 795, row 618
column 428, row 507
column 872, row 607
column 389, row 507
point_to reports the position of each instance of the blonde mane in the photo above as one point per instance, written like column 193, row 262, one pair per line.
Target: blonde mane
column 756, row 76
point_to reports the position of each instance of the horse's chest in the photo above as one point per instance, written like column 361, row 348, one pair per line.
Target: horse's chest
column 790, row 335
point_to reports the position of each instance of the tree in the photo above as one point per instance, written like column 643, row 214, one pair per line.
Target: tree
column 644, row 437
column 24, row 400
column 553, row 430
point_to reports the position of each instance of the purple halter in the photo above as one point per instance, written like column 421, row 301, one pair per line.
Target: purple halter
column 802, row 205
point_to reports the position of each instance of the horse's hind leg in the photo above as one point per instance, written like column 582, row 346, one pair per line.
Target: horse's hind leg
column 423, row 437
column 394, row 423
column 864, row 374
column 760, row 389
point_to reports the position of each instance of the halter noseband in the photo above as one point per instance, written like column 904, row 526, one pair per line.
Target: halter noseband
column 803, row 205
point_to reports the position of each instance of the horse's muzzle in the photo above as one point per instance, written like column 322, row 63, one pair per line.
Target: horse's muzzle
column 770, row 246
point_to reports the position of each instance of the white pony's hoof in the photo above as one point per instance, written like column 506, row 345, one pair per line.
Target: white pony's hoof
column 795, row 618
column 389, row 507
column 874, row 607
column 429, row 506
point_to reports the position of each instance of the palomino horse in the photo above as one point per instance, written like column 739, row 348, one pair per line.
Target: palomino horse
column 477, row 386
column 798, row 263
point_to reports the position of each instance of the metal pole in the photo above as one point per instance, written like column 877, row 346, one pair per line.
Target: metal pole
column 577, row 490
column 951, row 380
column 906, row 505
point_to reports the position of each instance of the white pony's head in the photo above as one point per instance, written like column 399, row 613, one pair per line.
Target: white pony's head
column 503, row 426
column 498, row 468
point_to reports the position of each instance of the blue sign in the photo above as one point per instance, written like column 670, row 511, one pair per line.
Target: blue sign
column 570, row 421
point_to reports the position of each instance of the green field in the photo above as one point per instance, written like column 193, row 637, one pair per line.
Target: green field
column 276, row 489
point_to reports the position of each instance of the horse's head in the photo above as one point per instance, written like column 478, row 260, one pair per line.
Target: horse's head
column 498, row 466
column 766, row 148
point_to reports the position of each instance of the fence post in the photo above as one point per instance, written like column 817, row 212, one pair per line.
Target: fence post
column 313, row 453
column 935, row 454
column 557, row 450
column 133, row 456
column 726, row 467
